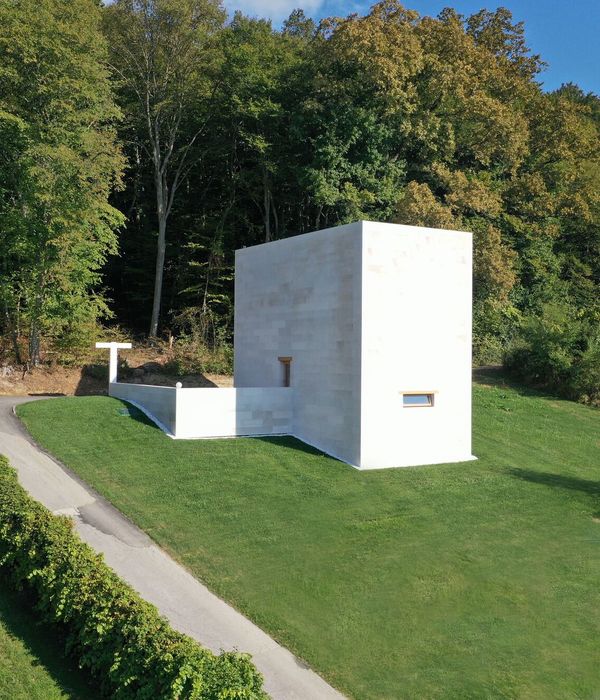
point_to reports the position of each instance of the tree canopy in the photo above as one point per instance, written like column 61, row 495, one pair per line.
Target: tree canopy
column 59, row 162
column 236, row 133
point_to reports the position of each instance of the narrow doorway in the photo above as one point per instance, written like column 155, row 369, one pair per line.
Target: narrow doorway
column 286, row 365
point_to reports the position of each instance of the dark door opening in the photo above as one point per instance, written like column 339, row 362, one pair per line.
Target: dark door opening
column 286, row 363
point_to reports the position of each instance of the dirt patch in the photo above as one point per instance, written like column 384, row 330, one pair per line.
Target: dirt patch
column 91, row 380
column 188, row 380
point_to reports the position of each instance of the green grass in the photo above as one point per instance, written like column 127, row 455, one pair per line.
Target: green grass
column 31, row 663
column 474, row 580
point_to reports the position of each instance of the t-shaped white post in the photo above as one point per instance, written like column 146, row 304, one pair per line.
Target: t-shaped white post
column 112, row 362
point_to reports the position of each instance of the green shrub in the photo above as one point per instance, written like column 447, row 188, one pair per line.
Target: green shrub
column 558, row 350
column 109, row 629
column 190, row 357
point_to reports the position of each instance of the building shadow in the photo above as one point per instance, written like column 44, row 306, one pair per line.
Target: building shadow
column 292, row 443
column 43, row 642
column 587, row 487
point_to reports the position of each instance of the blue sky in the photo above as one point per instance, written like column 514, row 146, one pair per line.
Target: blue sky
column 565, row 34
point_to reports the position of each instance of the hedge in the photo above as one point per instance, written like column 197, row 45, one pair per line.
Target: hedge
column 121, row 639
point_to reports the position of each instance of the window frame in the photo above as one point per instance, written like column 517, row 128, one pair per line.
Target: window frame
column 430, row 399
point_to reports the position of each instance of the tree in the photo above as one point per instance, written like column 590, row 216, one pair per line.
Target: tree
column 59, row 163
column 390, row 116
column 160, row 51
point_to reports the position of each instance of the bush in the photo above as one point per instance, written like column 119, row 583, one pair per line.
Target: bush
column 560, row 351
column 109, row 629
column 191, row 357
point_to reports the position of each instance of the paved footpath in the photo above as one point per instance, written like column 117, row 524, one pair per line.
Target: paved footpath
column 189, row 606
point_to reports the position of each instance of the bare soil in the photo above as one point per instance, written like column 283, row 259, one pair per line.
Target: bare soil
column 144, row 367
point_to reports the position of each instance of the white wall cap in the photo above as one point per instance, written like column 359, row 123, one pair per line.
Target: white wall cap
column 124, row 346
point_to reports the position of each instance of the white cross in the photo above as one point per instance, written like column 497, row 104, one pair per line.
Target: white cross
column 112, row 363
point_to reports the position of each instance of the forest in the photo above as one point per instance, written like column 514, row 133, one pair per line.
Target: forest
column 143, row 142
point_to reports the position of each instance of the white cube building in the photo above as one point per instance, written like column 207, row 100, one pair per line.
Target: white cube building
column 370, row 325
column 355, row 339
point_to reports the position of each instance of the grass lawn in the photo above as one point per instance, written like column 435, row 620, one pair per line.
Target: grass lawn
column 475, row 580
column 31, row 664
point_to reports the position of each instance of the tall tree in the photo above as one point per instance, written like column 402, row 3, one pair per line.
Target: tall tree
column 393, row 116
column 59, row 163
column 160, row 51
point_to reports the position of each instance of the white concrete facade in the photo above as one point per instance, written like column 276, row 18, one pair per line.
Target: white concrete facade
column 416, row 337
column 338, row 334
column 188, row 413
column 203, row 413
column 367, row 312
column 300, row 297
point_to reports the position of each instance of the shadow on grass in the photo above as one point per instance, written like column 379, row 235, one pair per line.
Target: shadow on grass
column 498, row 377
column 587, row 487
column 42, row 643
column 573, row 483
column 128, row 410
column 292, row 443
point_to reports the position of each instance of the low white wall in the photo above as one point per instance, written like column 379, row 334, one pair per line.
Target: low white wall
column 202, row 413
column 229, row 412
column 159, row 402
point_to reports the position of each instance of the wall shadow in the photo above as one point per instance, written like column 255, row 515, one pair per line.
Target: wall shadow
column 93, row 380
column 292, row 443
column 128, row 410
column 588, row 487
column 43, row 643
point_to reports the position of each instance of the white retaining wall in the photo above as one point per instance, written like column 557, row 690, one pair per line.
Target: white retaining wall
column 228, row 412
column 201, row 413
column 159, row 402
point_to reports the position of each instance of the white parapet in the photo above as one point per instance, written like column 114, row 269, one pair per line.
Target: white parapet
column 204, row 413
column 157, row 402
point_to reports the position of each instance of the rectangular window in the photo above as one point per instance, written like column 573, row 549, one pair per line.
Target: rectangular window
column 414, row 400
column 286, row 364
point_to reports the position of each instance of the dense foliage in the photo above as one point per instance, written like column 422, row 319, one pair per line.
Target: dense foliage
column 560, row 352
column 58, row 162
column 237, row 133
column 109, row 629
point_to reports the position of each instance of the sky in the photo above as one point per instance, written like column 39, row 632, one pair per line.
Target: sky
column 564, row 33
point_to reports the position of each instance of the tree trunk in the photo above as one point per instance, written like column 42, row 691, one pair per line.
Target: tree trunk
column 267, row 206
column 34, row 344
column 13, row 331
column 158, row 274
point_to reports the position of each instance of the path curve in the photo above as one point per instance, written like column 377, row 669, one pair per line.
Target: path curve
column 188, row 605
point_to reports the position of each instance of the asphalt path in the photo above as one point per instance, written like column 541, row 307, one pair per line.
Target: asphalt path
column 188, row 605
